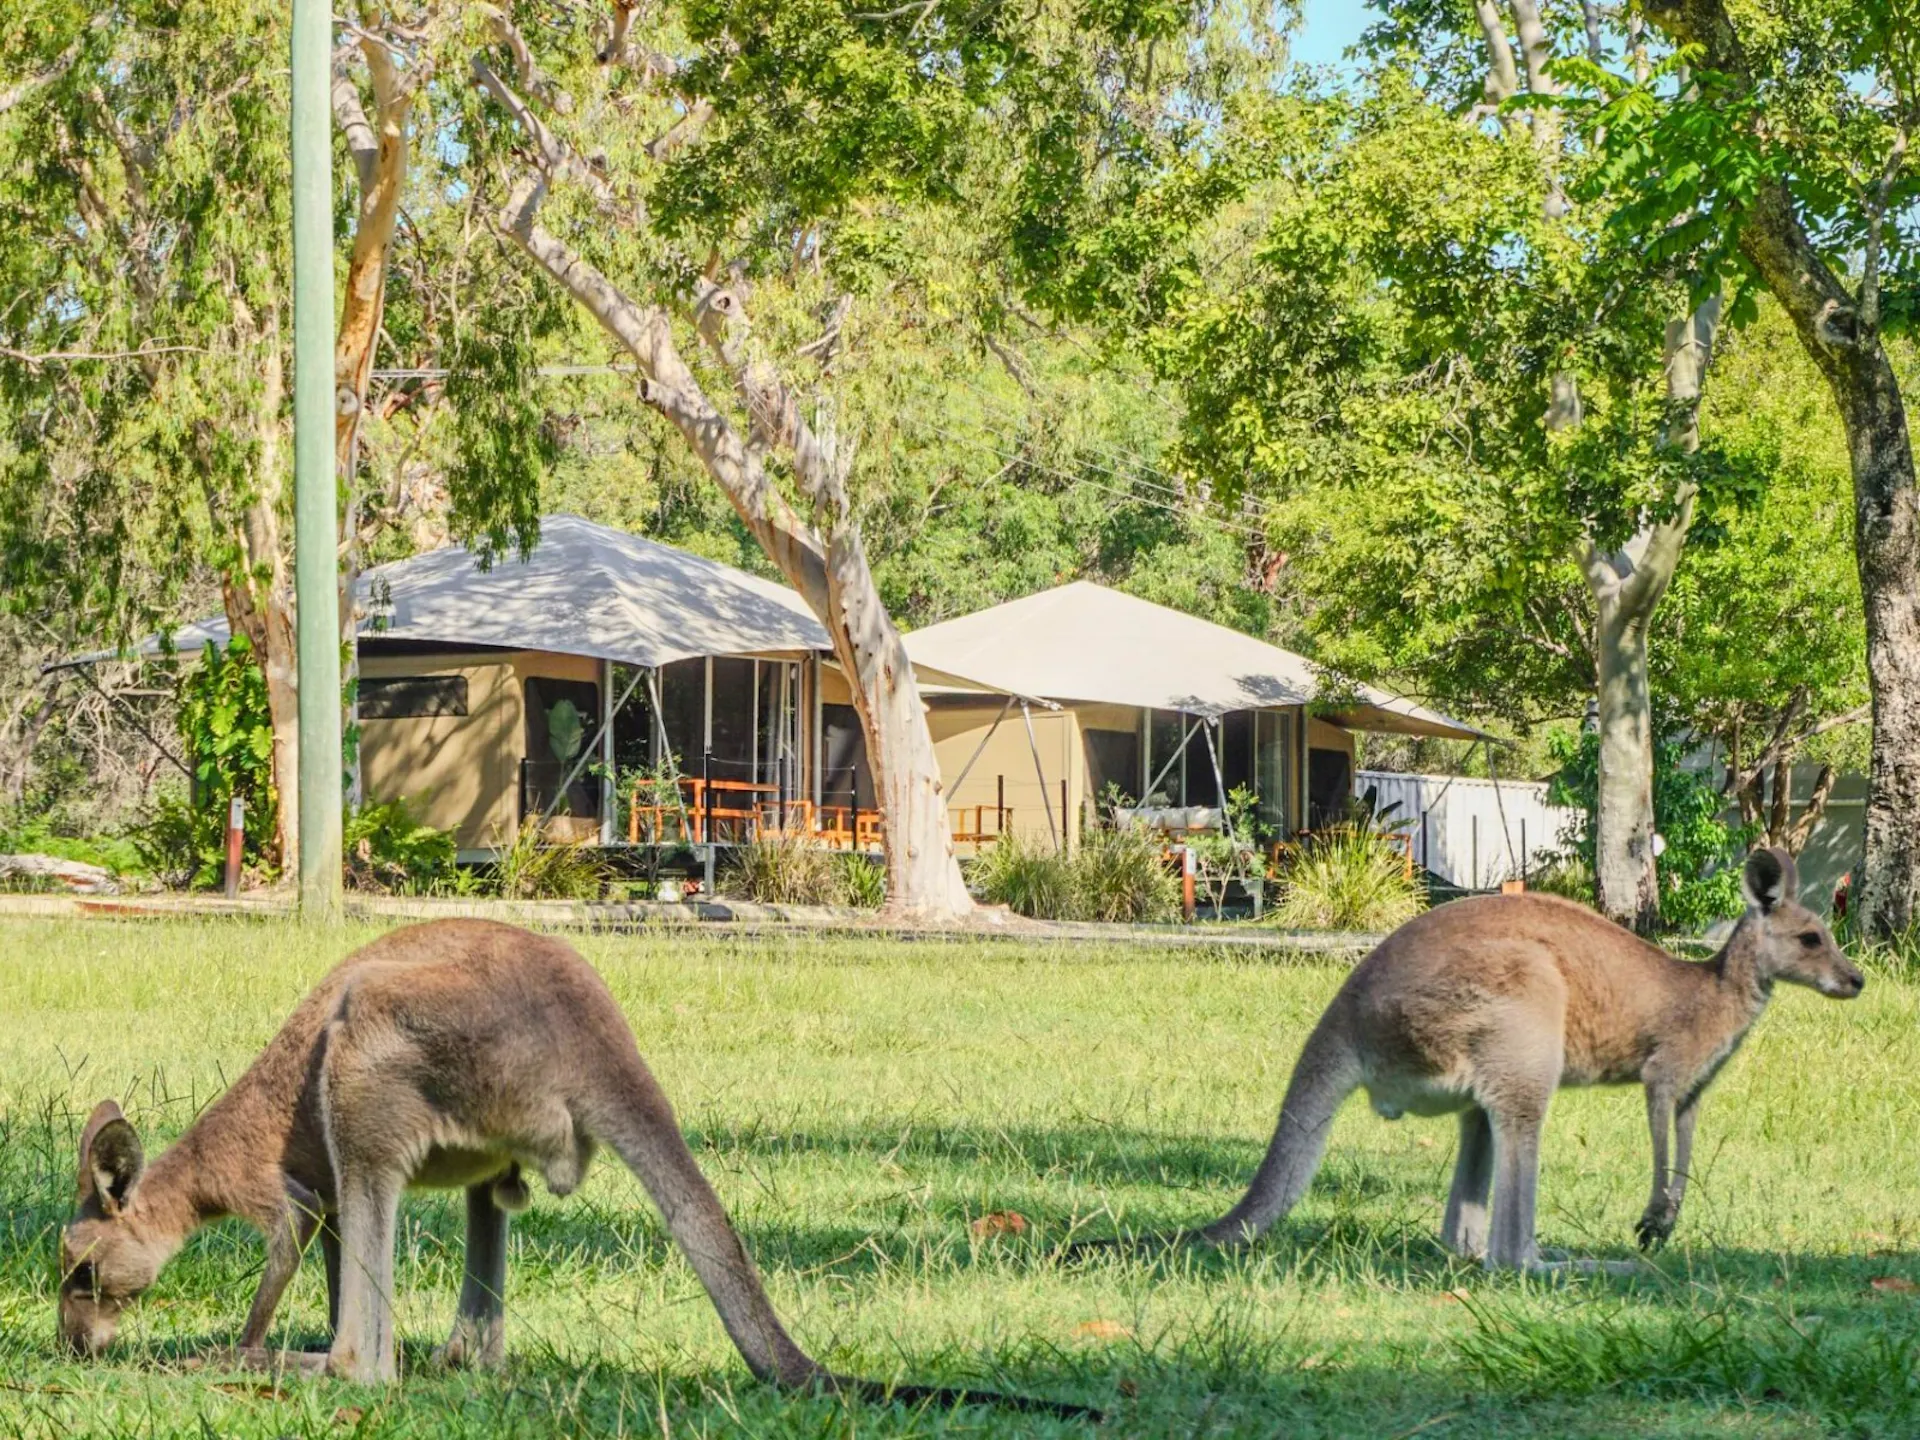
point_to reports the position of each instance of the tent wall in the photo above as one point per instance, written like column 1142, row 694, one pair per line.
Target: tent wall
column 959, row 729
column 459, row 772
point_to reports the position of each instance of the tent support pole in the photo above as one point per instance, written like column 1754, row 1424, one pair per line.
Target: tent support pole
column 980, row 749
column 1219, row 782
column 815, row 706
column 607, row 709
column 1039, row 771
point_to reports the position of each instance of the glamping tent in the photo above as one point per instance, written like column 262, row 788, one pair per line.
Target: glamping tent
column 522, row 688
column 1171, row 711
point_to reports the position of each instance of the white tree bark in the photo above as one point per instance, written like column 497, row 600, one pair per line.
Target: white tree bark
column 824, row 561
column 1627, row 585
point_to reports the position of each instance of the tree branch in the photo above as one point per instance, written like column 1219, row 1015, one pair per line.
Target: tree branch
column 21, row 90
column 351, row 116
column 1876, row 223
column 670, row 387
column 554, row 156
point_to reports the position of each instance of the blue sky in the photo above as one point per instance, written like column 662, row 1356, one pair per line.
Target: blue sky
column 1328, row 27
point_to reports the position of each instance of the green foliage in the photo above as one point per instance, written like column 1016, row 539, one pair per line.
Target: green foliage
column 389, row 851
column 786, row 870
column 1699, row 871
column 533, row 866
column 1347, row 879
column 1232, row 854
column 36, row 836
column 1029, row 880
column 1568, row 875
column 1118, row 875
column 865, row 881
column 228, row 737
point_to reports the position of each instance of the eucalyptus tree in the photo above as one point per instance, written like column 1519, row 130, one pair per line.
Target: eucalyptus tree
column 720, row 156
column 1786, row 165
column 143, row 344
column 1766, row 146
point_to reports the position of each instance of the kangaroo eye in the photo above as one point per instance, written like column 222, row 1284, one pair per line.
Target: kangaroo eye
column 81, row 1277
column 1811, row 939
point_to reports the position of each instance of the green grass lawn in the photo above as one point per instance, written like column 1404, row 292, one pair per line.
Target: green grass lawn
column 858, row 1103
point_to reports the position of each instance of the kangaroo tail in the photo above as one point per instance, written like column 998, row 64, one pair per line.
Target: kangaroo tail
column 1324, row 1076
column 639, row 1124
column 1326, row 1073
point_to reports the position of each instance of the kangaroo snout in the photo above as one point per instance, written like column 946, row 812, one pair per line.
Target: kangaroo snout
column 1844, row 984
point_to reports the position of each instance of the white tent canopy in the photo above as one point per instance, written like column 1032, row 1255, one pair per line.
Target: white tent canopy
column 585, row 590
column 1083, row 642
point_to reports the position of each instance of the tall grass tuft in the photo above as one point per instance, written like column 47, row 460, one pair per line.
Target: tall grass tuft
column 1018, row 873
column 1348, row 880
column 790, row 870
column 535, row 867
column 1120, row 876
column 1116, row 875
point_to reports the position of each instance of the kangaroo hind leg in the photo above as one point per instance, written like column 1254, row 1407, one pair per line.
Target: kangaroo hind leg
column 1464, row 1230
column 479, row 1329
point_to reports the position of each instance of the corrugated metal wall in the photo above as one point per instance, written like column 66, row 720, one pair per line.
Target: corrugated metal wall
column 1477, row 832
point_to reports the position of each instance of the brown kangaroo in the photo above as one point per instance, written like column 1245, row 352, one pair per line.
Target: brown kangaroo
column 1485, row 1007
column 450, row 1054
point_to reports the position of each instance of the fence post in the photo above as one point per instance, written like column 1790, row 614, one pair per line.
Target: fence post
column 780, row 793
column 1426, row 855
column 236, row 835
column 1476, row 853
column 999, row 804
column 706, row 811
column 1066, row 826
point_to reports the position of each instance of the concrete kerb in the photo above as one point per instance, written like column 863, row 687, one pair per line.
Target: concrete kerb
column 733, row 916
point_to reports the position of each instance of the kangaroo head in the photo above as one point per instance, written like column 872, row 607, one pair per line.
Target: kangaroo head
column 105, row 1258
column 1791, row 942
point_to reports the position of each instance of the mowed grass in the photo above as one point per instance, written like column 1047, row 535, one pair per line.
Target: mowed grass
column 858, row 1103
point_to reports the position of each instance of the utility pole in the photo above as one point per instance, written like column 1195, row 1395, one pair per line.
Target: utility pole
column 316, row 564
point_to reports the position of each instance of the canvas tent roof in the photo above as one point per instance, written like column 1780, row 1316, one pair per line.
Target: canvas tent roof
column 585, row 590
column 1084, row 642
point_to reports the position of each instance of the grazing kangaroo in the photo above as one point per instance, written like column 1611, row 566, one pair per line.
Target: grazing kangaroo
column 451, row 1054
column 1486, row 1006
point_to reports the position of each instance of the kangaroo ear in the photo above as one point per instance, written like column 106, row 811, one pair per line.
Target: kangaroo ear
column 1770, row 878
column 111, row 1158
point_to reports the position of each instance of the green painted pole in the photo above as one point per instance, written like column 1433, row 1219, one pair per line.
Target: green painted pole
column 316, row 565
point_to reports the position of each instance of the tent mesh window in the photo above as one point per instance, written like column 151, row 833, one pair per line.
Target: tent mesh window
column 563, row 718
column 411, row 697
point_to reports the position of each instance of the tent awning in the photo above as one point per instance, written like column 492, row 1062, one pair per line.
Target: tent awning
column 585, row 589
column 1085, row 643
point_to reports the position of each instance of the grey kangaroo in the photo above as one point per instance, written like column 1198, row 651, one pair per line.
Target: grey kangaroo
column 1486, row 1006
column 456, row 1053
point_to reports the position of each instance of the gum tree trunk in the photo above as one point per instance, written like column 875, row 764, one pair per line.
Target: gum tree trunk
column 823, row 561
column 1841, row 334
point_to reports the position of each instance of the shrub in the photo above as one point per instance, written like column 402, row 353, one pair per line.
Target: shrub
column 1028, row 880
column 227, row 729
column 866, row 882
column 1120, row 875
column 1699, row 869
column 389, row 851
column 787, row 870
column 1348, row 880
column 1569, row 876
column 534, row 867
column 174, row 847
column 40, row 836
